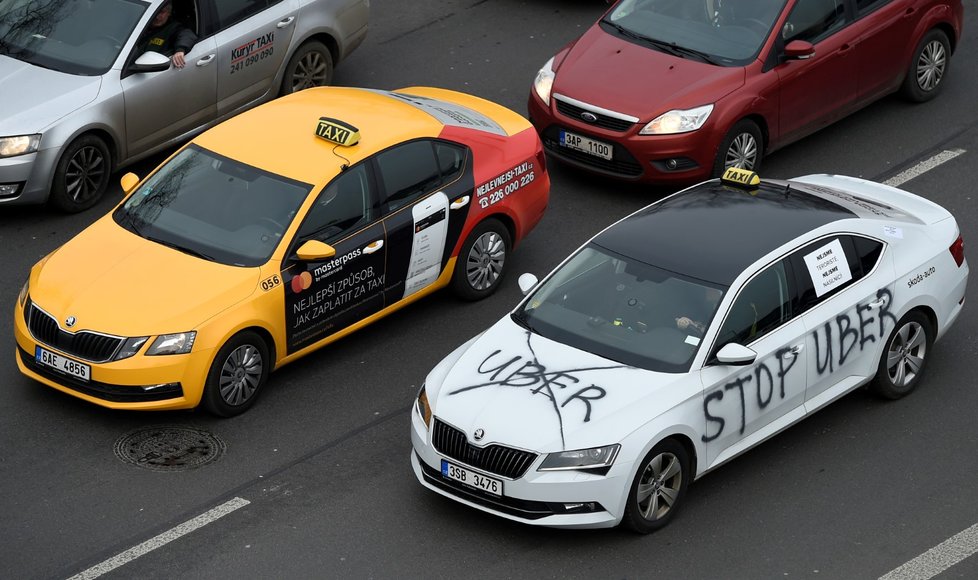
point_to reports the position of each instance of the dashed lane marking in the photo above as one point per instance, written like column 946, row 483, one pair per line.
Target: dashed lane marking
column 162, row 539
column 923, row 167
column 939, row 558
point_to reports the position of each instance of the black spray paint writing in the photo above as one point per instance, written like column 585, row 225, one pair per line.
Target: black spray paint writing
column 561, row 387
column 843, row 333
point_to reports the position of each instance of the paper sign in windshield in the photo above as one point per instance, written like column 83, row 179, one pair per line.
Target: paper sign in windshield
column 828, row 267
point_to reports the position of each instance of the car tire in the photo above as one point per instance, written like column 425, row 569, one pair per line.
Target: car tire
column 658, row 488
column 482, row 260
column 743, row 147
column 902, row 364
column 310, row 66
column 82, row 174
column 237, row 375
column 927, row 69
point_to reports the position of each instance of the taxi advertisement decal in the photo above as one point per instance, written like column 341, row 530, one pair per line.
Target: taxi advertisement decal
column 325, row 297
column 504, row 184
column 448, row 113
column 428, row 243
column 252, row 51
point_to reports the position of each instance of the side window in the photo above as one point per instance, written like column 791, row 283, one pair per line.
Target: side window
column 813, row 20
column 451, row 160
column 342, row 206
column 867, row 6
column 408, row 172
column 233, row 11
column 821, row 272
column 762, row 305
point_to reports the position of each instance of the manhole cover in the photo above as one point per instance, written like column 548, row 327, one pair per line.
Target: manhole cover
column 169, row 448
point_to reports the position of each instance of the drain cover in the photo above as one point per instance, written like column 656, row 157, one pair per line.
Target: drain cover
column 169, row 448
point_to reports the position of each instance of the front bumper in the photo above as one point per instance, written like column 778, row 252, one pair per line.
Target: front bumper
column 662, row 159
column 565, row 499
column 28, row 175
column 136, row 383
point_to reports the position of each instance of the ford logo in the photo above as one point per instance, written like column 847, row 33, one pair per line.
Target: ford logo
column 589, row 117
column 70, row 321
column 479, row 434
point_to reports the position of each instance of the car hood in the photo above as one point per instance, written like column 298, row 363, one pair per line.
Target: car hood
column 34, row 97
column 115, row 282
column 609, row 72
column 526, row 391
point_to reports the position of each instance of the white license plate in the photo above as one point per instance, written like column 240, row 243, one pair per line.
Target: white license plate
column 589, row 146
column 64, row 364
column 471, row 478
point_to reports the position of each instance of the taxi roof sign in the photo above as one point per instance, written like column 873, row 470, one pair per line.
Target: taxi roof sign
column 738, row 177
column 337, row 131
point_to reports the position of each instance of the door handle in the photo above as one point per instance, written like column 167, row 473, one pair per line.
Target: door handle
column 460, row 202
column 878, row 303
column 792, row 352
column 373, row 246
column 205, row 60
column 286, row 22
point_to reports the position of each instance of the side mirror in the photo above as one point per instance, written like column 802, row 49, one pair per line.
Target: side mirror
column 799, row 50
column 150, row 62
column 736, row 354
column 527, row 282
column 129, row 182
column 315, row 251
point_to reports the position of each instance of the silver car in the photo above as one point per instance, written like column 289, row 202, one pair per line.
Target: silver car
column 83, row 95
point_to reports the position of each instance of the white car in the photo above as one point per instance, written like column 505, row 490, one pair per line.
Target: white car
column 680, row 337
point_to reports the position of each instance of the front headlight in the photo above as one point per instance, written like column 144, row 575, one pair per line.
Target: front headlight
column 422, row 408
column 178, row 343
column 678, row 121
column 24, row 291
column 130, row 347
column 594, row 458
column 545, row 81
column 19, row 145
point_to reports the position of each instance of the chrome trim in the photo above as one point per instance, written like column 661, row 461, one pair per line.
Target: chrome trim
column 596, row 109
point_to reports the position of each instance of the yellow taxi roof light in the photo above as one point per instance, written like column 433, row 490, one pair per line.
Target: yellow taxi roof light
column 337, row 131
column 740, row 177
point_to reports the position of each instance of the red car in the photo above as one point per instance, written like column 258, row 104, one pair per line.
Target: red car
column 675, row 91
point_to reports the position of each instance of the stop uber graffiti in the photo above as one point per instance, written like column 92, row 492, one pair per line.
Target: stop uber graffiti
column 834, row 341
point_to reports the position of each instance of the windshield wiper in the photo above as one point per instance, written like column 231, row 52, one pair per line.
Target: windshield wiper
column 693, row 52
column 180, row 248
column 520, row 319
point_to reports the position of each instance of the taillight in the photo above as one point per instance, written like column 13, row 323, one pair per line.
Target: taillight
column 957, row 250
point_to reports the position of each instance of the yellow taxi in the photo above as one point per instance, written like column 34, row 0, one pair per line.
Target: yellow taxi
column 274, row 234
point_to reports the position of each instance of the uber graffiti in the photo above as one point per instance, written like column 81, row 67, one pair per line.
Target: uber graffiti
column 834, row 343
column 562, row 387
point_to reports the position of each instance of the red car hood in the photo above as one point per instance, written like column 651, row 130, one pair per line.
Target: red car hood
column 609, row 72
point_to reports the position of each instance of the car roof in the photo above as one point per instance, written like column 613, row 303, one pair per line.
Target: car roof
column 280, row 136
column 713, row 231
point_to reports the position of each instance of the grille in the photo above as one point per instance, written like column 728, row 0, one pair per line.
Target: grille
column 497, row 459
column 89, row 346
column 604, row 121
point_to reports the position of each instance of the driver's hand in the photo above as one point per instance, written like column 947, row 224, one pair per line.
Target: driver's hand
column 178, row 60
column 682, row 323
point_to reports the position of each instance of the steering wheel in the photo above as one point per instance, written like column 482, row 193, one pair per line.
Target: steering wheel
column 754, row 25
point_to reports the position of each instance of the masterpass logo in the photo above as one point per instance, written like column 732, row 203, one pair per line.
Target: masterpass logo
column 301, row 282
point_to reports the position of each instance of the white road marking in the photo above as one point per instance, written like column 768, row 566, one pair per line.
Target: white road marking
column 923, row 167
column 939, row 558
column 162, row 539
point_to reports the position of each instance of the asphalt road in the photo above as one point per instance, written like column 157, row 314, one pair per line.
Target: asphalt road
column 321, row 466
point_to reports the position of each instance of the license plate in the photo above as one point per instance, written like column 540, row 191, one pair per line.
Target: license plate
column 471, row 478
column 589, row 146
column 64, row 364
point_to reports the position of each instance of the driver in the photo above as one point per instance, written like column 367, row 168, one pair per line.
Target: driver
column 168, row 36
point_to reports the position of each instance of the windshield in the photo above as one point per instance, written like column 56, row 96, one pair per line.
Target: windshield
column 213, row 207
column 623, row 310
column 80, row 37
column 725, row 32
